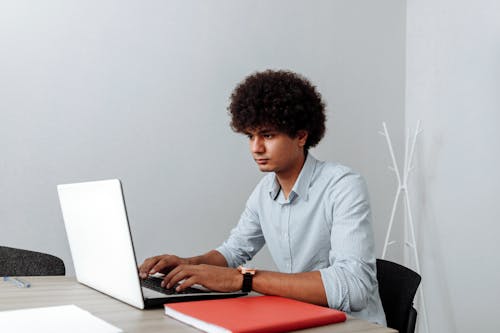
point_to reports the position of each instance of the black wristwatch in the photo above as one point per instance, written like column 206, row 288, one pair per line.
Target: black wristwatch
column 248, row 274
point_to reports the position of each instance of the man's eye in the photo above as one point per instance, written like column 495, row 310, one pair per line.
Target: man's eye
column 250, row 136
column 268, row 136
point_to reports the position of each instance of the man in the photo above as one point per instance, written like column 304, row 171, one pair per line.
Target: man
column 314, row 216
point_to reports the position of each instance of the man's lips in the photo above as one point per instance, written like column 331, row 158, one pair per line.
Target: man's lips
column 261, row 160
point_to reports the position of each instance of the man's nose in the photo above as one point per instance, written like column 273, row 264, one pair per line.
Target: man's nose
column 257, row 145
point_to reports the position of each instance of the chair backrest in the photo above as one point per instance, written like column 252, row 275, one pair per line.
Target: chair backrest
column 17, row 262
column 398, row 286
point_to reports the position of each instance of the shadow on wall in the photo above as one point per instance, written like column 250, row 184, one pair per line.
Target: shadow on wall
column 430, row 237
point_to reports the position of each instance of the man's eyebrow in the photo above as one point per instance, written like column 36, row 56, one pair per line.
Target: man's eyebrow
column 260, row 131
column 266, row 130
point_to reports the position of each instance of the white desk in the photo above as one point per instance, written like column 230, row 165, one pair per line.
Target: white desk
column 51, row 291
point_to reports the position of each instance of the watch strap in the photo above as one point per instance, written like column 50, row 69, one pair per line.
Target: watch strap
column 247, row 282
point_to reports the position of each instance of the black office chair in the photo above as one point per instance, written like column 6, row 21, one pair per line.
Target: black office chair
column 17, row 262
column 398, row 286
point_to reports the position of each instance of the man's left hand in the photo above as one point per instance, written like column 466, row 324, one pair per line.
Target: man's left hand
column 215, row 278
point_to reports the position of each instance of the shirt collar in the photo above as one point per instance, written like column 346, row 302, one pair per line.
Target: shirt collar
column 301, row 186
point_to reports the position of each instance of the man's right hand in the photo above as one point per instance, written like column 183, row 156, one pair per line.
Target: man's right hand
column 160, row 264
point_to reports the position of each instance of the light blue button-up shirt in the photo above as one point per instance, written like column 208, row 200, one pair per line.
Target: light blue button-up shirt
column 324, row 225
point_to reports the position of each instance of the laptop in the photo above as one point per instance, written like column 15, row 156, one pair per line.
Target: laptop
column 98, row 232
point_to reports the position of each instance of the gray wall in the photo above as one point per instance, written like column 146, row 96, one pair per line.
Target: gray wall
column 453, row 80
column 138, row 90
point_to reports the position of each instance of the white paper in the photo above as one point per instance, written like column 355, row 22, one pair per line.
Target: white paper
column 54, row 319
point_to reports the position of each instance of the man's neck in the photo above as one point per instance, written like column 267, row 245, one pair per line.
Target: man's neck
column 287, row 178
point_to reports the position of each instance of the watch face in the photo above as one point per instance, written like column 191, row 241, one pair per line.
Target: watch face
column 245, row 270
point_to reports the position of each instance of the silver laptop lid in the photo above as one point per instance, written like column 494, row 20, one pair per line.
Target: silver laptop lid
column 99, row 238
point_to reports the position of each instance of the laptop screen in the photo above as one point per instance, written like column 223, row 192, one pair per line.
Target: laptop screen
column 99, row 238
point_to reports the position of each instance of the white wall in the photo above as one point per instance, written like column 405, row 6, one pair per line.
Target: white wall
column 138, row 90
column 453, row 80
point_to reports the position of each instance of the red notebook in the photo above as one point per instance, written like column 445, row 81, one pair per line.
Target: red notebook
column 253, row 314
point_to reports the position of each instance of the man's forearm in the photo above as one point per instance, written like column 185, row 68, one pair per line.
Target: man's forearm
column 307, row 287
column 210, row 258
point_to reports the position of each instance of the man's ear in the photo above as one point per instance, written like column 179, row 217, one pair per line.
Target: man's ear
column 302, row 136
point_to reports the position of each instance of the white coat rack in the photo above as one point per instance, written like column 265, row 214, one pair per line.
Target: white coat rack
column 409, row 240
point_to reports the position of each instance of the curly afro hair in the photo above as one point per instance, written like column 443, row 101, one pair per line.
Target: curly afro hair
column 281, row 100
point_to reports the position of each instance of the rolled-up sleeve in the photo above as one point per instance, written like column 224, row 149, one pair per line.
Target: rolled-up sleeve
column 246, row 239
column 351, row 277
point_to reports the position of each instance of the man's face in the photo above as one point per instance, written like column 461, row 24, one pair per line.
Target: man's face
column 276, row 151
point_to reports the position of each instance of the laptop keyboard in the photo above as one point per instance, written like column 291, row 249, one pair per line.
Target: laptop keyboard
column 154, row 283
